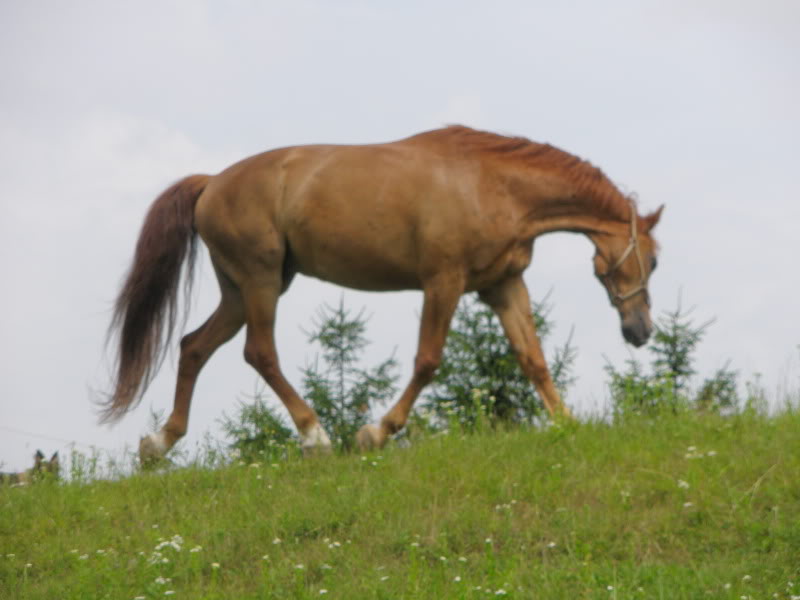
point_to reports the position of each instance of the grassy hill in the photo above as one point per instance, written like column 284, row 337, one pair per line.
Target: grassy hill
column 683, row 507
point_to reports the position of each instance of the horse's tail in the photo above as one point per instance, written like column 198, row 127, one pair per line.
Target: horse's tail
column 146, row 309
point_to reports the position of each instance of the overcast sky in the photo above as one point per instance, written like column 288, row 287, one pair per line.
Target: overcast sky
column 693, row 104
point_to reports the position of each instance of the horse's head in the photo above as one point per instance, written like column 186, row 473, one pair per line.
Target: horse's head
column 623, row 264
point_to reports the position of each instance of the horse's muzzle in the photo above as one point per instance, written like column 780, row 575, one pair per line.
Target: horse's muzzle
column 636, row 329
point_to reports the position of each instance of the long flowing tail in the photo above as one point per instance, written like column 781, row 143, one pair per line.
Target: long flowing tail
column 146, row 309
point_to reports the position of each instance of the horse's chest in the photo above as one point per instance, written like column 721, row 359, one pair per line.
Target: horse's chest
column 492, row 265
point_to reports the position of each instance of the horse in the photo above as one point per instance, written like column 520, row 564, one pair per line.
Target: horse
column 447, row 211
column 41, row 469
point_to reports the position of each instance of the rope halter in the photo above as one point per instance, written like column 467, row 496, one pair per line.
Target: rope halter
column 633, row 247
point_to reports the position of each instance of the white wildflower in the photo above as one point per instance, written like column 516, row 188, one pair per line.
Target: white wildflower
column 682, row 484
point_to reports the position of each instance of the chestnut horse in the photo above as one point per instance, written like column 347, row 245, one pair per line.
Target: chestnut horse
column 446, row 212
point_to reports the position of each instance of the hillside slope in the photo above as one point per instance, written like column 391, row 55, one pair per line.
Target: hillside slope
column 684, row 507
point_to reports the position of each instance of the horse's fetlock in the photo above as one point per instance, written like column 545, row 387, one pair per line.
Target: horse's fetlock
column 425, row 367
column 174, row 431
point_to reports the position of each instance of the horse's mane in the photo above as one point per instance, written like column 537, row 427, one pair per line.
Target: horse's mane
column 589, row 179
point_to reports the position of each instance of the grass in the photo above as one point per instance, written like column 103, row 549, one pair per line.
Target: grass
column 688, row 506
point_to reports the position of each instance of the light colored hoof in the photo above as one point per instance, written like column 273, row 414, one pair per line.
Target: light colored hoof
column 315, row 442
column 151, row 450
column 370, row 437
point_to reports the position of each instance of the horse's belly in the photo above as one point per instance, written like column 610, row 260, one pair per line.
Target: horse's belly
column 359, row 262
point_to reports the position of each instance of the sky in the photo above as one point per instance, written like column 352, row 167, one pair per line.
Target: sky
column 692, row 104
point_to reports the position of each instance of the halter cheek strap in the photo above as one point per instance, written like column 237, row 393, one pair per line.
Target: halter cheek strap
column 633, row 247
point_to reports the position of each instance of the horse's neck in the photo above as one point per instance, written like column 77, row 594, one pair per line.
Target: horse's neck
column 551, row 204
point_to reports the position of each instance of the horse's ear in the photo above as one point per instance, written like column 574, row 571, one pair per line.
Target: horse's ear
column 54, row 457
column 38, row 456
column 651, row 220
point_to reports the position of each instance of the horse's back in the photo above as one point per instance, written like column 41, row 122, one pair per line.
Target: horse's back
column 352, row 215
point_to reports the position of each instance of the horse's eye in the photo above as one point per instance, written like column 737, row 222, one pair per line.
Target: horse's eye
column 653, row 263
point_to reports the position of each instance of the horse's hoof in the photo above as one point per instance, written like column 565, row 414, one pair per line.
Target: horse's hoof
column 315, row 442
column 370, row 437
column 151, row 452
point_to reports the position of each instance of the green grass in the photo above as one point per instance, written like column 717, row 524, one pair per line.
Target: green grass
column 585, row 510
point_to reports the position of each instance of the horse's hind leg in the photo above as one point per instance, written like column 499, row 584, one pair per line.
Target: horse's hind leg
column 260, row 299
column 196, row 348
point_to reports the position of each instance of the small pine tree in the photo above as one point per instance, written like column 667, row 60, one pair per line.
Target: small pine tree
column 480, row 375
column 340, row 391
column 666, row 387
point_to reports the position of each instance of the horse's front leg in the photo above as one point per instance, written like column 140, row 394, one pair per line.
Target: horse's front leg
column 441, row 297
column 512, row 304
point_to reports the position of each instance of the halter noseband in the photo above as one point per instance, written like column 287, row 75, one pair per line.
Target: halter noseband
column 633, row 246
